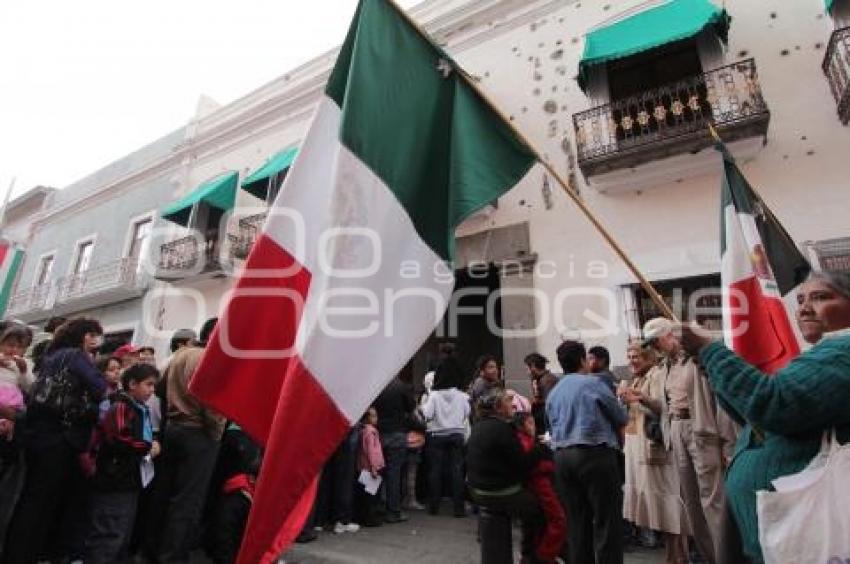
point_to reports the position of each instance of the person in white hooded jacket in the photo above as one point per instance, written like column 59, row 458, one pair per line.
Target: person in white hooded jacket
column 446, row 412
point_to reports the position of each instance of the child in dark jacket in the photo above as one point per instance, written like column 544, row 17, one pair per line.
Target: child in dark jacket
column 548, row 544
column 127, row 439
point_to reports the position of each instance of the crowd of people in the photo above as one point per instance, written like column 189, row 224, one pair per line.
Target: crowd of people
column 105, row 454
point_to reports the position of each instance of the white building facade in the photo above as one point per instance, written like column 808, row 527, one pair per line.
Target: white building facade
column 777, row 88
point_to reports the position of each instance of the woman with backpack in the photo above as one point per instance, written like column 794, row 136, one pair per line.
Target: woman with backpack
column 61, row 413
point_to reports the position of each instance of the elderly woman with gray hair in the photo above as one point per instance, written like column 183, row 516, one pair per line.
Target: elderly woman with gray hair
column 792, row 408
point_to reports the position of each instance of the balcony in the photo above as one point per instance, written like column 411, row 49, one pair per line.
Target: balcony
column 113, row 282
column 834, row 254
column 26, row 302
column 672, row 120
column 243, row 240
column 836, row 66
column 189, row 257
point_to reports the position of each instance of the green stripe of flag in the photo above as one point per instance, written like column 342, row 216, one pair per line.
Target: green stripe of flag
column 419, row 126
column 6, row 292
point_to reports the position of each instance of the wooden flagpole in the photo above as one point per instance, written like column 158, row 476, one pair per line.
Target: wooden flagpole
column 564, row 183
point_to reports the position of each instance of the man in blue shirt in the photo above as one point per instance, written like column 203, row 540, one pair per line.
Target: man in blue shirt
column 584, row 419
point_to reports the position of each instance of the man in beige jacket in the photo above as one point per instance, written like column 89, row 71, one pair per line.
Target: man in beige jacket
column 700, row 434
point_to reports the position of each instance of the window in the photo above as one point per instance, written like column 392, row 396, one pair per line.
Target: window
column 649, row 70
column 140, row 238
column 657, row 89
column 45, row 268
column 841, row 13
column 84, row 251
column 694, row 299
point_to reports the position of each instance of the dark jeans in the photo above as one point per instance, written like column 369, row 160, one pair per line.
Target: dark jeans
column 522, row 505
column 445, row 451
column 112, row 520
column 592, row 487
column 394, row 446
column 189, row 457
column 335, row 499
column 52, row 470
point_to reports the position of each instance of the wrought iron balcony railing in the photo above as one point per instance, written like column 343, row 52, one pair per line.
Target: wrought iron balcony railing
column 185, row 255
column 117, row 274
column 249, row 230
column 672, row 119
column 836, row 66
column 834, row 254
column 29, row 299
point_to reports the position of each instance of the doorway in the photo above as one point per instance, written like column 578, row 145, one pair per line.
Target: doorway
column 464, row 325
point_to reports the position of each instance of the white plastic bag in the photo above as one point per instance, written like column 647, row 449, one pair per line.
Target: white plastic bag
column 808, row 518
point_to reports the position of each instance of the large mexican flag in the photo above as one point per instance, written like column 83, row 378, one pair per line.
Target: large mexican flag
column 10, row 262
column 348, row 278
column 759, row 265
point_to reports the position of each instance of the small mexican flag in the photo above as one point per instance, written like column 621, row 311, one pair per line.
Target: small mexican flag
column 10, row 262
column 348, row 278
column 759, row 264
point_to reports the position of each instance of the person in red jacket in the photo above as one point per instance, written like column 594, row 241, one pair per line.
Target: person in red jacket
column 550, row 541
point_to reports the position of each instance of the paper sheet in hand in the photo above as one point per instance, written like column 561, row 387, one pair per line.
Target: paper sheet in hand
column 369, row 483
column 146, row 468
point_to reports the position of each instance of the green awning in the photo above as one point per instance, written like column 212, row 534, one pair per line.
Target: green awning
column 219, row 192
column 829, row 4
column 674, row 21
column 258, row 183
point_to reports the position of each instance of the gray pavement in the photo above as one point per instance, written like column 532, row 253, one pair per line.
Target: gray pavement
column 424, row 539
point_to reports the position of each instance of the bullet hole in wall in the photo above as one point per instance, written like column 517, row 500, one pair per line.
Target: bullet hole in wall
column 810, row 152
column 522, row 202
column 743, row 53
column 537, row 76
column 536, row 92
column 606, row 7
column 550, row 106
column 773, row 15
column 785, row 52
column 804, row 138
column 818, row 46
column 796, row 47
column 524, row 109
column 574, row 40
column 556, row 54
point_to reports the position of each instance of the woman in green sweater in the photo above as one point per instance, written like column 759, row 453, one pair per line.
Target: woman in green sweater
column 791, row 409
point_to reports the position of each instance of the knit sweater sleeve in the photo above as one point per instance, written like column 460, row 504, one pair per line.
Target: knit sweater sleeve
column 807, row 395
